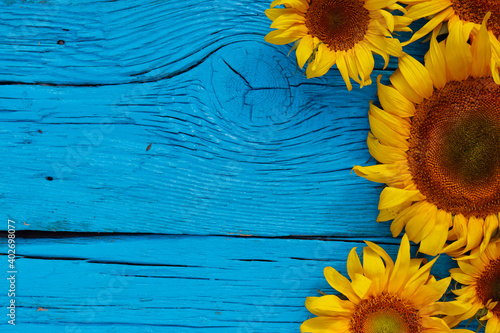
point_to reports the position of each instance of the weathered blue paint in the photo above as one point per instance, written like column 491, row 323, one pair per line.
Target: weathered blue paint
column 240, row 144
column 181, row 283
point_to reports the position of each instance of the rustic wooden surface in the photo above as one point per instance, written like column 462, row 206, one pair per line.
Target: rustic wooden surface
column 226, row 222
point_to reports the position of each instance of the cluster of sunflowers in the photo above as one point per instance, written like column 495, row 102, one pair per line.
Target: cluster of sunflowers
column 437, row 138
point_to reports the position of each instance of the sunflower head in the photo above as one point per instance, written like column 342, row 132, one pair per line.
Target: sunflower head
column 438, row 139
column 341, row 32
column 480, row 280
column 383, row 296
column 461, row 17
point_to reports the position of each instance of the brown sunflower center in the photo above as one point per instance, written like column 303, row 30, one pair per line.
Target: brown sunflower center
column 340, row 24
column 474, row 11
column 385, row 313
column 488, row 285
column 454, row 154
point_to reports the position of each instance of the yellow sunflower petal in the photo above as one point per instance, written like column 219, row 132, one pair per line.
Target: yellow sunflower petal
column 399, row 82
column 460, row 277
column 384, row 46
column 342, row 66
column 352, row 66
column 397, row 6
column 494, row 65
column 388, row 19
column 393, row 101
column 431, row 292
column 492, row 252
column 405, row 215
column 437, row 325
column 469, row 269
column 427, row 8
column 385, row 134
column 417, row 280
column 386, row 215
column 304, row 50
column 282, row 37
column 477, row 263
column 285, row 21
column 400, row 125
column 399, row 275
column 374, row 268
column 435, row 62
column 415, row 264
column 420, row 225
column 489, row 227
column 416, row 75
column 324, row 60
column 401, row 23
column 274, row 13
column 353, row 264
column 394, row 175
column 481, row 50
column 474, row 233
column 431, row 25
column 493, row 325
column 361, row 284
column 329, row 305
column 384, row 153
column 434, row 242
column 460, row 230
column 458, row 54
column 378, row 4
column 389, row 264
column 391, row 197
column 373, row 265
column 452, row 308
column 340, row 283
column 380, row 52
column 325, row 325
column 364, row 62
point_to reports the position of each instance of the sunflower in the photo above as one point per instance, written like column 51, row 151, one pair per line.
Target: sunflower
column 463, row 15
column 438, row 139
column 383, row 296
column 479, row 277
column 342, row 32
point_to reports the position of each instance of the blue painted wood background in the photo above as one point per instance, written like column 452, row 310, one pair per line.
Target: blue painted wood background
column 226, row 223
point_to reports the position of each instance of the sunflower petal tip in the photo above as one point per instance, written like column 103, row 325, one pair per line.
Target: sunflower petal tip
column 486, row 17
column 405, row 239
column 406, row 43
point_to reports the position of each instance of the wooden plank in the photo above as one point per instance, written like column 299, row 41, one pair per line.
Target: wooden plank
column 186, row 283
column 123, row 41
column 210, row 170
column 217, row 164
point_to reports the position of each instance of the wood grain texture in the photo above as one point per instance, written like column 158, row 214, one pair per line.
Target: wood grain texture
column 210, row 170
column 176, row 283
column 235, row 149
column 240, row 141
column 113, row 42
